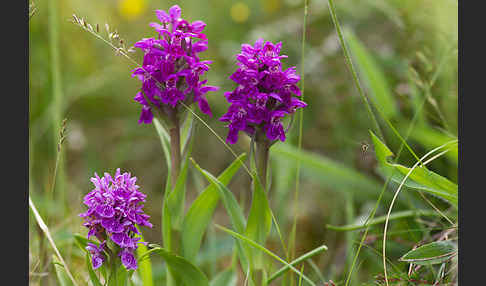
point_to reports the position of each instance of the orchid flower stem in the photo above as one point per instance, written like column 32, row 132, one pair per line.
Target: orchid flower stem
column 262, row 155
column 175, row 146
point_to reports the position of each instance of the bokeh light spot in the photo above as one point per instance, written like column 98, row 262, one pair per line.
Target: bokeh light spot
column 132, row 9
column 240, row 12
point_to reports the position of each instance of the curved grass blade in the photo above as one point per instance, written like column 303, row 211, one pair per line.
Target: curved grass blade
column 300, row 259
column 46, row 231
column 258, row 246
column 202, row 209
column 181, row 268
column 420, row 179
column 381, row 219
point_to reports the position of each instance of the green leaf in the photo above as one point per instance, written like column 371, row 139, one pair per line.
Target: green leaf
column 224, row 278
column 330, row 173
column 62, row 276
column 432, row 253
column 268, row 252
column 420, row 179
column 234, row 211
column 182, row 269
column 202, row 209
column 304, row 257
column 430, row 138
column 176, row 198
column 259, row 221
column 164, row 140
column 374, row 77
column 145, row 265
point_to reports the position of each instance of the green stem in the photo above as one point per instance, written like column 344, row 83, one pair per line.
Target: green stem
column 175, row 148
column 261, row 157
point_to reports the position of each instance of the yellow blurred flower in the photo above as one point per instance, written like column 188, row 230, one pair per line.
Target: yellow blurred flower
column 239, row 12
column 132, row 9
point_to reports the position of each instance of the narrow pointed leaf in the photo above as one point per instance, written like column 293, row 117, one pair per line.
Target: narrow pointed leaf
column 372, row 74
column 182, row 269
column 421, row 178
column 224, row 278
column 234, row 211
column 202, row 209
column 259, row 221
column 432, row 253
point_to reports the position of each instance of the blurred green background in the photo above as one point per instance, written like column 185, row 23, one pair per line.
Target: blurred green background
column 396, row 45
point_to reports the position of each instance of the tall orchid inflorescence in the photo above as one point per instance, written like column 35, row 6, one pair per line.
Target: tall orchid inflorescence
column 171, row 67
column 264, row 94
column 114, row 211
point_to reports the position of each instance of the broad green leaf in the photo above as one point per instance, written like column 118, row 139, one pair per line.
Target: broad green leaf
column 330, row 173
column 224, row 278
column 420, row 179
column 164, row 140
column 62, row 276
column 176, row 198
column 234, row 211
column 202, row 209
column 145, row 265
column 166, row 226
column 374, row 77
column 182, row 269
column 431, row 253
column 382, row 219
column 259, row 221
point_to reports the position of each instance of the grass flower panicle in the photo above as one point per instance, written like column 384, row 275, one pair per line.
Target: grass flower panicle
column 114, row 210
column 265, row 92
column 171, row 68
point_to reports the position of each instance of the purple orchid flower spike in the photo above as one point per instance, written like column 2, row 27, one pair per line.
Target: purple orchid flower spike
column 264, row 95
column 114, row 210
column 171, row 68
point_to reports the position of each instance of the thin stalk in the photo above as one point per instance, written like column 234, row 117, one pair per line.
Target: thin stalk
column 57, row 95
column 291, row 254
column 45, row 229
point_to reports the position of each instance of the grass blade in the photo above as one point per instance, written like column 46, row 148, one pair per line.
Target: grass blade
column 381, row 219
column 224, row 278
column 258, row 246
column 46, row 231
column 300, row 259
column 420, row 179
column 379, row 88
